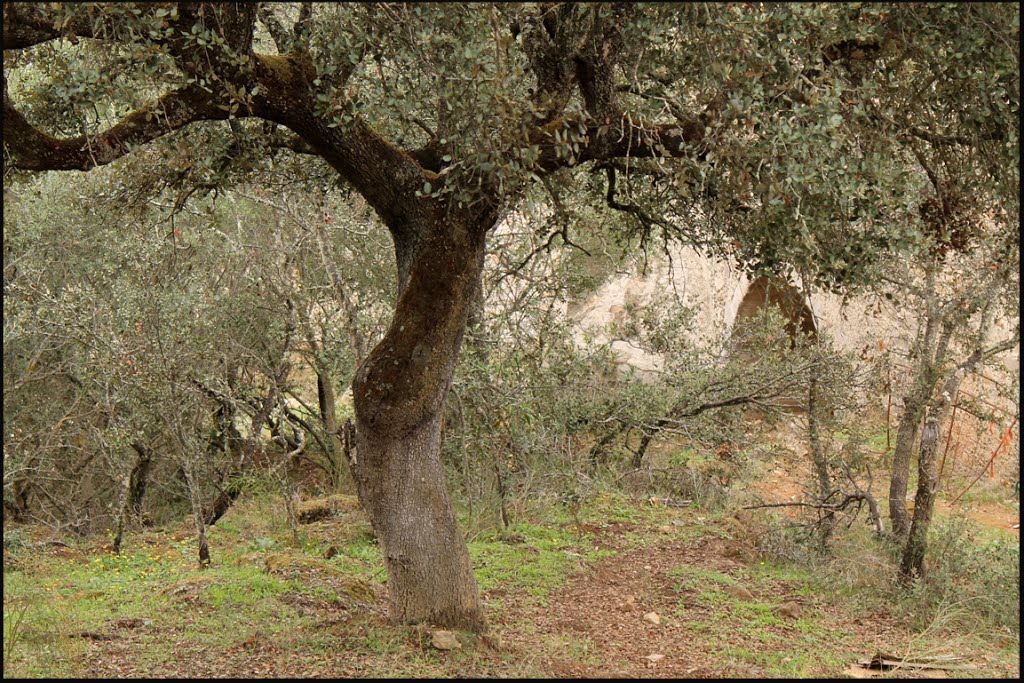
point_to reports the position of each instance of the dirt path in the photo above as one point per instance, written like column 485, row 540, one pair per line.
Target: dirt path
column 704, row 631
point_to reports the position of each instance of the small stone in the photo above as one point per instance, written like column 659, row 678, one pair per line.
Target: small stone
column 789, row 609
column 445, row 640
column 653, row 618
column 647, row 566
column 665, row 529
column 654, row 658
column 740, row 593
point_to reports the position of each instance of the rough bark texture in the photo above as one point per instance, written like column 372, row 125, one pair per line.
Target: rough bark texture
column 402, row 487
column 133, row 489
column 927, row 483
column 122, row 515
column 399, row 398
column 906, row 436
column 197, row 516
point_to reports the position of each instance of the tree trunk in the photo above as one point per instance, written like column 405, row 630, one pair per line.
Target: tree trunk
column 122, row 515
column 399, row 393
column 17, row 505
column 139, row 481
column 906, row 436
column 133, row 488
column 819, row 456
column 329, row 417
column 927, row 480
column 197, row 515
column 430, row 578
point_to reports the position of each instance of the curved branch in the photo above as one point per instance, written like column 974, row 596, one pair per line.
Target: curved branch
column 35, row 150
column 25, row 26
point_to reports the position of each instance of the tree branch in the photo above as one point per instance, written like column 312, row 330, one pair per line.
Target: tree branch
column 35, row 150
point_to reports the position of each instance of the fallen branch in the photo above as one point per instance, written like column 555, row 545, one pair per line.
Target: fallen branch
column 943, row 662
column 859, row 497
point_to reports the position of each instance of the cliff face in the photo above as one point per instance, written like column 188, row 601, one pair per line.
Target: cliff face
column 719, row 293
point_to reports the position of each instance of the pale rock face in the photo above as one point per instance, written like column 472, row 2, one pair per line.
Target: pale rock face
column 865, row 325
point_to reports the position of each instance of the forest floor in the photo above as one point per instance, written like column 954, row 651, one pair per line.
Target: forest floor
column 626, row 587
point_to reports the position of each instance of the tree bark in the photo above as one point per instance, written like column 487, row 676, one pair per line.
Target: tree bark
column 329, row 417
column 927, row 479
column 819, row 456
column 132, row 491
column 399, row 393
column 139, row 481
column 906, row 436
column 192, row 482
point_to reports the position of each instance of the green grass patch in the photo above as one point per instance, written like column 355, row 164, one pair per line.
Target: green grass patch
column 530, row 557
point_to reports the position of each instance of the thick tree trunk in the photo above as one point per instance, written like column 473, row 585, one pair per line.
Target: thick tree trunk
column 430, row 578
column 132, row 491
column 197, row 515
column 399, row 393
column 17, row 504
column 122, row 515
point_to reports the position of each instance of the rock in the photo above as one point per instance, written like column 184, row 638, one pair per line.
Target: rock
column 789, row 609
column 654, row 658
column 740, row 593
column 445, row 640
column 629, row 604
column 665, row 529
column 653, row 618
column 330, row 552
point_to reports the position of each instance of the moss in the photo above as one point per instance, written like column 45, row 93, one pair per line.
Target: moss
column 313, row 571
column 323, row 508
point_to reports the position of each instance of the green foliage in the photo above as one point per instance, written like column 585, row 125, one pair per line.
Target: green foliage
column 978, row 580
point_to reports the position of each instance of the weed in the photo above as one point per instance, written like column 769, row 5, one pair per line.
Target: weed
column 976, row 584
column 15, row 610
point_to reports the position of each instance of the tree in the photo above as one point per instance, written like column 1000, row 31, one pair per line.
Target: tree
column 707, row 123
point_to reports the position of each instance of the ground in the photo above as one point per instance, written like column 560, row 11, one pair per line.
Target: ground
column 572, row 597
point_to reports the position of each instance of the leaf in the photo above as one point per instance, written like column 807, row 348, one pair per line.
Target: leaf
column 426, row 188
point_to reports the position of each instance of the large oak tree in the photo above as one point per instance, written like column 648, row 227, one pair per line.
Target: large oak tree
column 765, row 130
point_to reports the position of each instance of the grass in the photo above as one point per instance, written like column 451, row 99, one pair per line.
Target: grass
column 530, row 557
column 266, row 606
column 252, row 596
